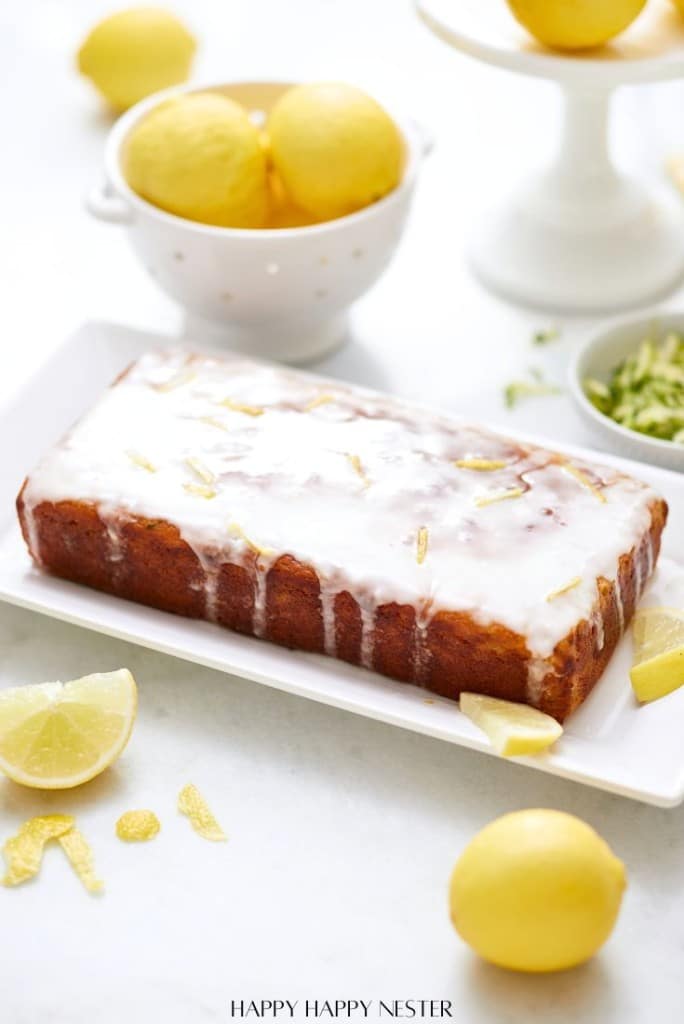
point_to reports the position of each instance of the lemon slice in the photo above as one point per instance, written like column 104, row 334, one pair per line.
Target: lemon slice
column 658, row 652
column 58, row 735
column 514, row 729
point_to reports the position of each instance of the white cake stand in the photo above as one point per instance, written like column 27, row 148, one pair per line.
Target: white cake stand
column 581, row 236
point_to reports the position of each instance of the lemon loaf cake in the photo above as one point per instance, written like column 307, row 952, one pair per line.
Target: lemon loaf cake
column 333, row 519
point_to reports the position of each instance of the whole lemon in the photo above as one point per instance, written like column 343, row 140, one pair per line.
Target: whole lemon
column 575, row 25
column 536, row 890
column 199, row 156
column 136, row 52
column 335, row 149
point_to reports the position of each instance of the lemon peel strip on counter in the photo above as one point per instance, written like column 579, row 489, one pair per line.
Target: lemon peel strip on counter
column 194, row 806
column 80, row 856
column 24, row 851
column 137, row 826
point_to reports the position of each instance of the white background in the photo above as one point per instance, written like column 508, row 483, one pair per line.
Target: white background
column 342, row 831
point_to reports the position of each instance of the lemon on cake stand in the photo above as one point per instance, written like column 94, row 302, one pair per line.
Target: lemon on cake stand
column 581, row 236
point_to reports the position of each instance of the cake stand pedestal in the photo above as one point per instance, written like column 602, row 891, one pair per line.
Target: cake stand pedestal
column 581, row 237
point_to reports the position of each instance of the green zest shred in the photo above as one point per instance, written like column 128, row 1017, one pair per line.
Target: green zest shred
column 645, row 393
column 544, row 336
column 518, row 390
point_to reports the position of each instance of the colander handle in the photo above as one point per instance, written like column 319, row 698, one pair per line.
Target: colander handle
column 427, row 139
column 103, row 203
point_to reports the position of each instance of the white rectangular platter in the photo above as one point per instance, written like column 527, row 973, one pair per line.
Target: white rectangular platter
column 610, row 742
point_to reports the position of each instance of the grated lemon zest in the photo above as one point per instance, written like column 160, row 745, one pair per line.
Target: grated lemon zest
column 480, row 464
column 141, row 461
column 319, row 400
column 24, row 851
column 570, row 585
column 192, row 803
column 176, row 381
column 137, row 826
column 584, row 480
column 235, row 530
column 422, row 545
column 200, row 470
column 201, row 490
column 80, row 857
column 491, row 499
column 357, row 466
column 248, row 410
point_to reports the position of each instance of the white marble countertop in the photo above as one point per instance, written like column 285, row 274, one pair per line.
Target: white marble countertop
column 342, row 831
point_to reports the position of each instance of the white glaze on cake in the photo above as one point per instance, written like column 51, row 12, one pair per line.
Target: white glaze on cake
column 243, row 456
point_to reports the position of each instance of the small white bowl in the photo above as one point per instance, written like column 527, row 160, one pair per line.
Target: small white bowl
column 278, row 293
column 597, row 358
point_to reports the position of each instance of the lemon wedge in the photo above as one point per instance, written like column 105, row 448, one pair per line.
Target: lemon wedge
column 514, row 729
column 658, row 652
column 59, row 735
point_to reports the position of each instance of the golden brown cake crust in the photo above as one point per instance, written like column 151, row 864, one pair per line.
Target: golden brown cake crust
column 156, row 567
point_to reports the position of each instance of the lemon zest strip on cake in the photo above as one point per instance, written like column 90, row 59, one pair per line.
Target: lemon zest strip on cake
column 584, row 480
column 491, row 499
column 200, row 470
column 570, row 585
column 177, row 380
column 319, row 400
column 357, row 466
column 248, row 410
column 201, row 490
column 212, row 421
column 235, row 530
column 194, row 806
column 481, row 465
column 421, row 545
column 140, row 460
